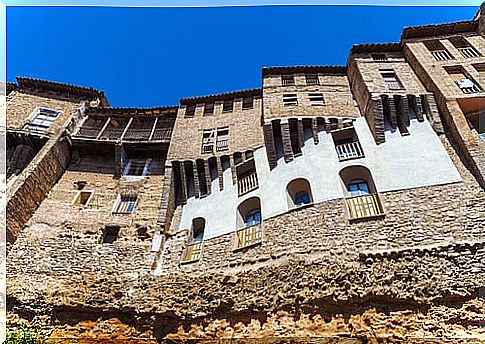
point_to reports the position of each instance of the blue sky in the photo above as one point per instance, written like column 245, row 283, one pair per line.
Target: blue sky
column 155, row 56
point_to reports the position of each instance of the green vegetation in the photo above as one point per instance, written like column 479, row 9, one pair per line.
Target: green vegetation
column 23, row 335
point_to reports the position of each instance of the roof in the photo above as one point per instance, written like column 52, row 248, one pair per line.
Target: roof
column 304, row 69
column 87, row 93
column 222, row 96
column 128, row 111
column 440, row 29
column 376, row 47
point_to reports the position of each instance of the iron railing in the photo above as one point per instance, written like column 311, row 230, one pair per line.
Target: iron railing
column 247, row 183
column 441, row 55
column 222, row 144
column 364, row 206
column 351, row 150
column 249, row 236
column 468, row 52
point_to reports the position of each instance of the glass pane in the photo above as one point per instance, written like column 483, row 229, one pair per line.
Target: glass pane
column 358, row 188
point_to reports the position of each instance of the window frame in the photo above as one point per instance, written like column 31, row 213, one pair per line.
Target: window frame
column 313, row 101
column 396, row 79
column 287, row 79
column 78, row 194
column 118, row 202
column 290, row 95
column 245, row 101
column 312, row 76
column 144, row 174
column 30, row 125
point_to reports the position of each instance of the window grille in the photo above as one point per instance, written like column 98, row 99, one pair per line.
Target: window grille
column 208, row 108
column 190, row 111
column 469, row 52
column 287, row 80
column 247, row 103
column 316, row 99
column 391, row 80
column 290, row 99
column 222, row 139
column 125, row 203
column 41, row 120
column 208, row 140
column 312, row 79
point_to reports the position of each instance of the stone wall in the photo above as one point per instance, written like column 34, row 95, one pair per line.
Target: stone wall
column 336, row 92
column 245, row 131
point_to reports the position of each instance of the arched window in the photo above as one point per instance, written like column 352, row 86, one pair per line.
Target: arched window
column 358, row 187
column 198, row 227
column 253, row 218
column 299, row 193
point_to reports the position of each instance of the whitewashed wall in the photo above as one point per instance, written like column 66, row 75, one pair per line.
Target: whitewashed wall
column 402, row 162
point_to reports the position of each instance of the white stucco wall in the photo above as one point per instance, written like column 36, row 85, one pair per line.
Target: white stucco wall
column 402, row 162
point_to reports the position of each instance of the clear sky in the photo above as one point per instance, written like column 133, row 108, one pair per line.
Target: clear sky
column 155, row 56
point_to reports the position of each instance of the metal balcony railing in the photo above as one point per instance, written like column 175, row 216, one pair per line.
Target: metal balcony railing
column 249, row 236
column 247, row 183
column 468, row 52
column 88, row 132
column 441, row 55
column 468, row 86
column 222, row 144
column 192, row 253
column 351, row 150
column 364, row 206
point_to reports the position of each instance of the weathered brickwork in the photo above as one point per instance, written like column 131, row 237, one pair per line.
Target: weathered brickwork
column 101, row 271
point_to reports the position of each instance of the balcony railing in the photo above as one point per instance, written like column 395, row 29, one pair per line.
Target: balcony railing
column 351, row 150
column 88, row 132
column 249, row 236
column 222, row 144
column 247, row 183
column 192, row 253
column 441, row 55
column 467, row 86
column 468, row 52
column 364, row 206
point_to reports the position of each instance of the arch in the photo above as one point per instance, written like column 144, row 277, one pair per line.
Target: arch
column 249, row 213
column 357, row 181
column 197, row 230
column 299, row 193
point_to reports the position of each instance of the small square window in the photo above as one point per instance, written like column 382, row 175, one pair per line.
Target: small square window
column 208, row 109
column 227, row 105
column 222, row 139
column 125, row 203
column 247, row 103
column 316, row 99
column 41, row 120
column 287, row 79
column 190, row 111
column 312, row 79
column 391, row 80
column 137, row 167
column 82, row 198
column 110, row 234
column 290, row 99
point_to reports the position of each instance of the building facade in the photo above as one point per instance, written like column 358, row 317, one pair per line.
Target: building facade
column 374, row 167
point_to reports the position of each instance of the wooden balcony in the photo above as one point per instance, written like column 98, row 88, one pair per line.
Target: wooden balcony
column 441, row 55
column 351, row 150
column 468, row 52
column 364, row 206
column 249, row 236
column 192, row 253
column 247, row 183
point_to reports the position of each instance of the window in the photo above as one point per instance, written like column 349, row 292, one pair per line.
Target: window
column 362, row 200
column 347, row 144
column 193, row 252
column 198, row 226
column 438, row 50
column 208, row 109
column 379, row 57
column 125, row 203
column 247, row 178
column 287, row 80
column 208, row 140
column 190, row 111
column 312, row 79
column 247, row 103
column 227, row 105
column 299, row 193
column 41, row 120
column 222, row 139
column 391, row 80
column 137, row 167
column 249, row 220
column 82, row 198
column 466, row 84
column 316, row 99
column 290, row 99
column 110, row 234
column 465, row 48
